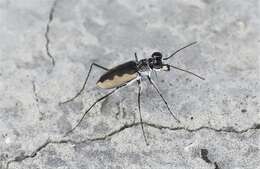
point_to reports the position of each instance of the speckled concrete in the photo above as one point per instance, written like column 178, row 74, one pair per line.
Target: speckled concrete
column 46, row 48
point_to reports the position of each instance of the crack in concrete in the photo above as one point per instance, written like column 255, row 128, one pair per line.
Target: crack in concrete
column 47, row 44
column 224, row 129
column 204, row 156
column 22, row 157
column 216, row 165
column 36, row 98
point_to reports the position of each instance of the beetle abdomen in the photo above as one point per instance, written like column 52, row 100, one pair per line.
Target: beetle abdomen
column 118, row 75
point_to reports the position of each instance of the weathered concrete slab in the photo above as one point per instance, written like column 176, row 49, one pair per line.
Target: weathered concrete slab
column 46, row 48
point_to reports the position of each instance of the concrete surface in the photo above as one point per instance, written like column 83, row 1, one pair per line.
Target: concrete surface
column 46, row 48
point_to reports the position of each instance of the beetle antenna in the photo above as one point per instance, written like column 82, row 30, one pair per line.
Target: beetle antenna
column 179, row 50
column 202, row 78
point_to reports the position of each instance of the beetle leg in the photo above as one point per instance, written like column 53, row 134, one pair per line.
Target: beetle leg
column 136, row 58
column 139, row 109
column 165, row 102
column 85, row 82
column 97, row 101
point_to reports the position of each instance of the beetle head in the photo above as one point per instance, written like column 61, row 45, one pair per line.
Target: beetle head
column 156, row 60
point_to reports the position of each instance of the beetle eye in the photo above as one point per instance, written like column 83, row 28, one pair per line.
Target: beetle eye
column 157, row 54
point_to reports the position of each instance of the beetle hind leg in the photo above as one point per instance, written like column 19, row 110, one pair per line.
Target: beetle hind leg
column 85, row 82
column 86, row 112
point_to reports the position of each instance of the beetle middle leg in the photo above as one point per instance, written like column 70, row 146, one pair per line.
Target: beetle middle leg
column 165, row 102
column 85, row 82
column 139, row 109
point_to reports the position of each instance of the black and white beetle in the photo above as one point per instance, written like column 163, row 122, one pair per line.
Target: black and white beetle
column 127, row 73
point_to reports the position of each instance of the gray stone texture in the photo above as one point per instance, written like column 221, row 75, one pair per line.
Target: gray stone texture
column 47, row 46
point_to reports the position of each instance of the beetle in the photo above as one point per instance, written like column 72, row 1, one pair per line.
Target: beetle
column 129, row 72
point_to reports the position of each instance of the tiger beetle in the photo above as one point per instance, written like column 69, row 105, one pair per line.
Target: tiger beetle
column 127, row 73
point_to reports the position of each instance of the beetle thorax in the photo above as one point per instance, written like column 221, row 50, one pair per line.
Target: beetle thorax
column 143, row 65
column 147, row 65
